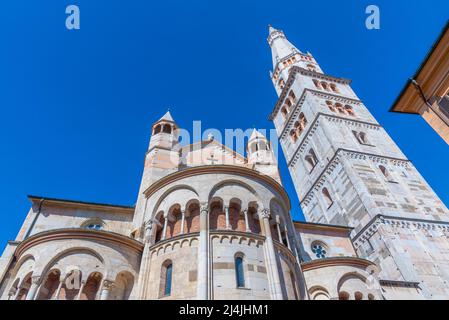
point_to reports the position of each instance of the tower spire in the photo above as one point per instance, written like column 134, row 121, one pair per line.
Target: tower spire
column 280, row 47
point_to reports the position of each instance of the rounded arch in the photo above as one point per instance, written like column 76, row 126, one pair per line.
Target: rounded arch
column 319, row 293
column 68, row 252
column 163, row 203
column 231, row 182
column 123, row 285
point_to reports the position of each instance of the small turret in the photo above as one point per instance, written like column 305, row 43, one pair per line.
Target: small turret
column 261, row 155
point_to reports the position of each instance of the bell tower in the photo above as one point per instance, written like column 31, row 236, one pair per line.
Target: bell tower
column 348, row 171
column 161, row 159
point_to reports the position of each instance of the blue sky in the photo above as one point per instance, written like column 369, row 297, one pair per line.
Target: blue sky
column 77, row 106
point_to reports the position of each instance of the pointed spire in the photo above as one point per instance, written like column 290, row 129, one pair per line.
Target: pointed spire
column 280, row 46
column 256, row 135
column 167, row 117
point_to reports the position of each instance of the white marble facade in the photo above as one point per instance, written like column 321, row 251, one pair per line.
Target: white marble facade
column 213, row 224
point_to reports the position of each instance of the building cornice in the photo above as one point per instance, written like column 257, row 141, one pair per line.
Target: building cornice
column 320, row 226
column 227, row 169
column 81, row 234
column 371, row 228
column 333, row 262
column 83, row 204
column 311, row 129
column 291, row 79
column 297, row 108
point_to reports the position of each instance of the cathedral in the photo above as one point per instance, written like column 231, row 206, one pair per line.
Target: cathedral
column 210, row 223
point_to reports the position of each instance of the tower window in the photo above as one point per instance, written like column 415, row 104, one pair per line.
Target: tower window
column 157, row 129
column 166, row 128
column 311, row 160
column 327, row 198
column 334, row 88
column 325, row 86
column 293, row 136
column 317, row 84
column 386, row 173
column 239, row 272
column 362, row 137
column 349, row 110
column 340, row 108
column 284, row 112
column 330, row 105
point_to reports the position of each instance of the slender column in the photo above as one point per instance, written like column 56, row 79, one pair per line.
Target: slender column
column 183, row 218
column 78, row 297
column 58, row 291
column 33, row 289
column 12, row 293
column 228, row 225
column 145, row 262
column 286, row 237
column 245, row 214
column 106, row 289
column 278, row 227
column 165, row 226
column 276, row 289
column 203, row 256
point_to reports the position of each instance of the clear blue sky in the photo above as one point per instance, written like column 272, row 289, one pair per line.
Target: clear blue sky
column 77, row 106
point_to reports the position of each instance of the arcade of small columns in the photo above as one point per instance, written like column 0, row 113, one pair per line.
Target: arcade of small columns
column 203, row 218
column 56, row 286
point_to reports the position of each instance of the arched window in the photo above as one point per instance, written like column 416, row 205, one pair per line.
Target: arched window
column 166, row 128
column 343, row 295
column 324, row 85
column 292, row 95
column 311, row 160
column 362, row 137
column 293, row 136
column 340, row 108
column 166, row 278
column 93, row 224
column 302, row 121
column 330, row 105
column 349, row 110
column 358, row 296
column 239, row 273
column 334, row 88
column 317, row 84
column 284, row 112
column 157, row 129
column 327, row 197
column 371, row 297
column 386, row 173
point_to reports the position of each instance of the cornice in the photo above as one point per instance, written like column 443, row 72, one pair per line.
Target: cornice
column 399, row 222
column 83, row 204
column 353, row 154
column 78, row 233
column 227, row 169
column 333, row 262
column 314, row 124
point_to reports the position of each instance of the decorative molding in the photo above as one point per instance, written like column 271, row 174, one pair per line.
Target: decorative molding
column 332, row 118
column 79, row 233
column 229, row 169
column 333, row 262
column 397, row 222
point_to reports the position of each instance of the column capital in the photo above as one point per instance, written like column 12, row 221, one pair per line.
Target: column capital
column 35, row 280
column 108, row 284
column 265, row 213
column 204, row 208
